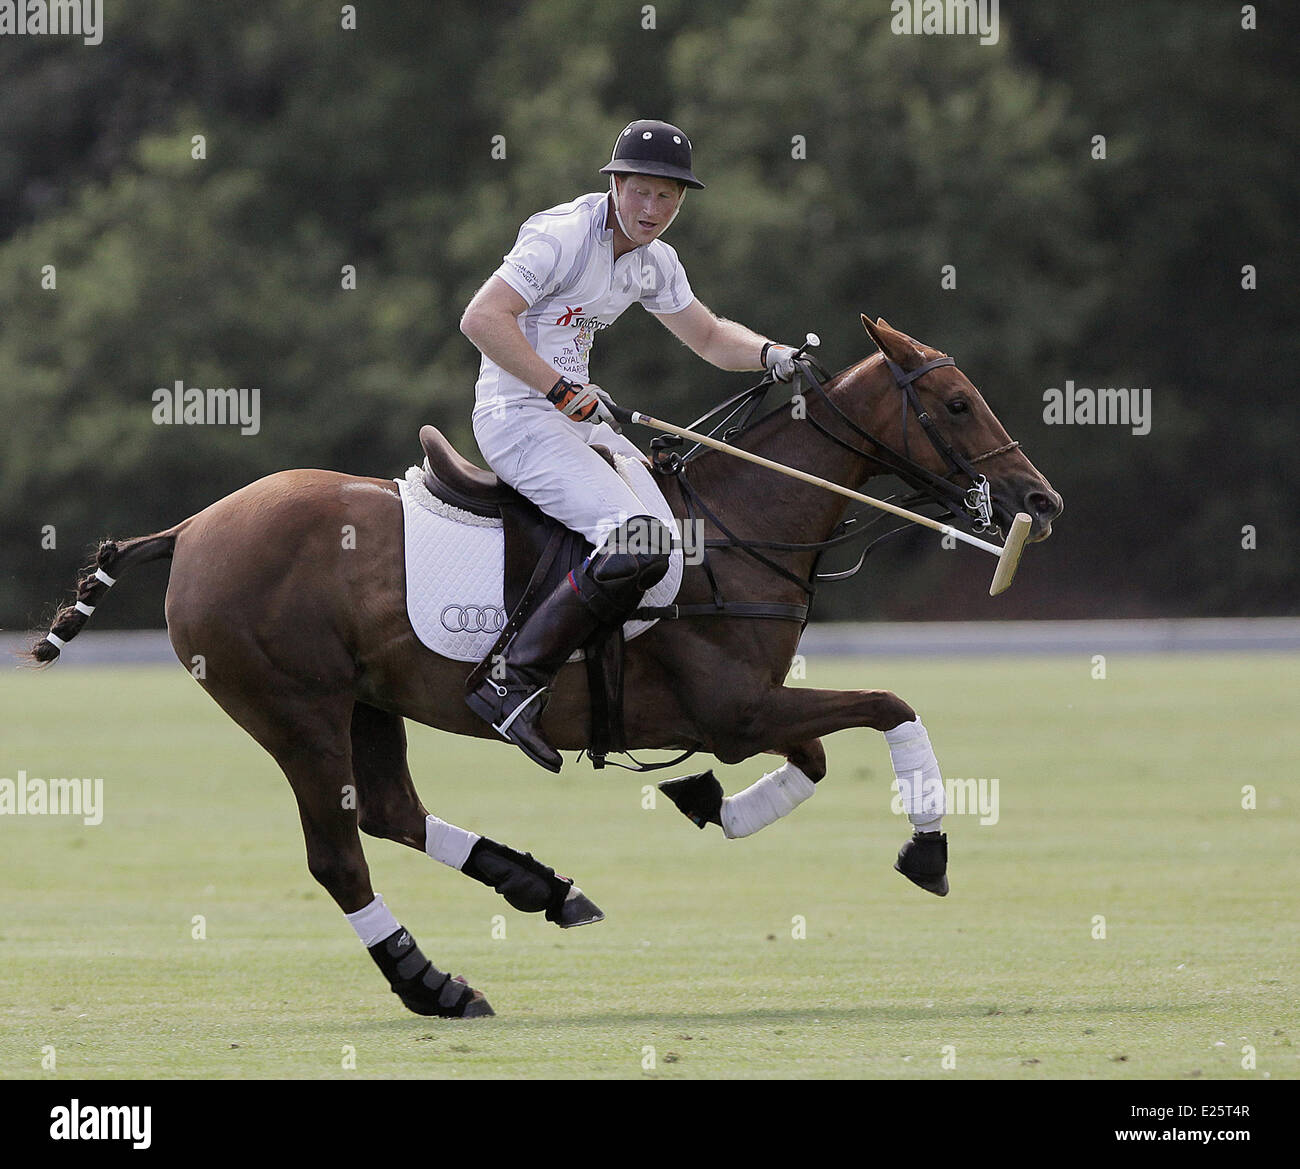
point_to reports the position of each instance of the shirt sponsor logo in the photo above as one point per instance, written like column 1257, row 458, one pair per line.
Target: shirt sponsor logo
column 586, row 335
column 527, row 273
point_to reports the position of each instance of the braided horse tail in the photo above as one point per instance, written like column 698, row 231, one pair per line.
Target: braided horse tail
column 111, row 560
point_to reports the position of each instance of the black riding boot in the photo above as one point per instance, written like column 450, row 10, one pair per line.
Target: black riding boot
column 515, row 690
column 605, row 591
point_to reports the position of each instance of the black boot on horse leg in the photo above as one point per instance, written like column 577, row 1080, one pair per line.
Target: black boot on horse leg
column 421, row 986
column 602, row 593
column 389, row 807
column 923, row 860
column 530, row 886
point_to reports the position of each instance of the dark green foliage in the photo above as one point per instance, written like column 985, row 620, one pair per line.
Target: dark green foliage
column 374, row 148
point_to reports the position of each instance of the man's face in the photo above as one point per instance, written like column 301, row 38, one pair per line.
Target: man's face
column 646, row 204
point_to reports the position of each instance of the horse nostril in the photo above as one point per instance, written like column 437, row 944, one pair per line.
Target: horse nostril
column 1043, row 504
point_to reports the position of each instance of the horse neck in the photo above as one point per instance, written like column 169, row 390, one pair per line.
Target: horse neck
column 763, row 504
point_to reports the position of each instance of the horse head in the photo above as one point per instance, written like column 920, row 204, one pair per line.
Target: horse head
column 936, row 430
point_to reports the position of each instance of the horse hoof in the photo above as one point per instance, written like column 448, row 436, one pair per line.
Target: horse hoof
column 923, row 860
column 938, row 887
column 578, row 909
column 477, row 1007
column 473, row 1005
column 467, row 1004
column 697, row 797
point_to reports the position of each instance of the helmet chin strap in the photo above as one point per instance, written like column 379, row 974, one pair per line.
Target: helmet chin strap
column 613, row 190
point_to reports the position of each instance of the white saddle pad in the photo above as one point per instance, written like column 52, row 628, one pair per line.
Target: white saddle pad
column 455, row 574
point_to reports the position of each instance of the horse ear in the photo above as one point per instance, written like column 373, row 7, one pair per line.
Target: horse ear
column 893, row 344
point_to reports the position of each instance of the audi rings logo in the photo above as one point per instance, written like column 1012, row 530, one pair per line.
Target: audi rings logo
column 473, row 619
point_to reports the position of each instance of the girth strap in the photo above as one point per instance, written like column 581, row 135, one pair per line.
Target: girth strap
column 775, row 610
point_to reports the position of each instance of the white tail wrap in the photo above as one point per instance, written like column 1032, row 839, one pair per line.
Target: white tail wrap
column 82, row 607
column 103, row 577
column 57, row 642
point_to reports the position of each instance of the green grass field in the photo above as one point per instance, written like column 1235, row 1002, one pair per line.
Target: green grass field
column 1118, row 799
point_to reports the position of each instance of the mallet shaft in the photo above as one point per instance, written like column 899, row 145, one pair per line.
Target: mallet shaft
column 795, row 473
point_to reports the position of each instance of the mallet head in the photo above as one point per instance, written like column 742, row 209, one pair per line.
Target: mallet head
column 1009, row 558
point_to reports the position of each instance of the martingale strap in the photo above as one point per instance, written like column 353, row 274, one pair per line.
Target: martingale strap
column 719, row 606
column 775, row 610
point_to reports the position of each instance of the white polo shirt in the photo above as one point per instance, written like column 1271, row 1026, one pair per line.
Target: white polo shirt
column 563, row 265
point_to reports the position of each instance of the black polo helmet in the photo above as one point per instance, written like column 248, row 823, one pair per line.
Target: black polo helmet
column 653, row 148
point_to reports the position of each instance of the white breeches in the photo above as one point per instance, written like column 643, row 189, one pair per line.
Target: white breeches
column 547, row 458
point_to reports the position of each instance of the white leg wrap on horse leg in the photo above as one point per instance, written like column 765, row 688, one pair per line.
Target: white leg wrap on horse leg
column 374, row 923
column 777, row 794
column 920, row 782
column 447, row 843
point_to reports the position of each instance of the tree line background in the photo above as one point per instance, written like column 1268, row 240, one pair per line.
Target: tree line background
column 374, row 147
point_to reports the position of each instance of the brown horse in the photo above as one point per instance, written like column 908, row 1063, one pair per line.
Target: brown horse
column 307, row 643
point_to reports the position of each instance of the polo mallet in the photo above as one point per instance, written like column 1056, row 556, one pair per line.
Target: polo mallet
column 1008, row 555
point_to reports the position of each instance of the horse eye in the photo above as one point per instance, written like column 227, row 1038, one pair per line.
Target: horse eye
column 958, row 406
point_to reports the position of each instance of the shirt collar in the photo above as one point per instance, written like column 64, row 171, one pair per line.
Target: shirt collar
column 604, row 228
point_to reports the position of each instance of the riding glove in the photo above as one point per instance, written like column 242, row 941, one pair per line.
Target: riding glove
column 583, row 403
column 779, row 359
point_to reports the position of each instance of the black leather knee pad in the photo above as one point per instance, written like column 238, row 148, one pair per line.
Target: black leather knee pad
column 635, row 555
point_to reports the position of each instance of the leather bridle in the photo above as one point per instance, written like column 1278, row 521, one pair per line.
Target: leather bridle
column 974, row 501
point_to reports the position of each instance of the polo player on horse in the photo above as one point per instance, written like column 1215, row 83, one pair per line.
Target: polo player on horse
column 573, row 270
